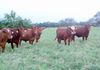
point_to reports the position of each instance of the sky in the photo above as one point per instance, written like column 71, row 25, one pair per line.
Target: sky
column 51, row 10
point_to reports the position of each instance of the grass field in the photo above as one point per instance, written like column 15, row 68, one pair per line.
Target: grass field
column 49, row 55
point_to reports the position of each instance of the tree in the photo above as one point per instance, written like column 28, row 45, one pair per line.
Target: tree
column 10, row 18
column 13, row 21
column 67, row 22
column 95, row 20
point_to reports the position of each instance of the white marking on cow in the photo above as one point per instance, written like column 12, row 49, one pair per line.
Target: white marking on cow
column 73, row 32
column 11, row 37
column 8, row 30
column 12, row 32
column 17, row 31
column 25, row 30
column 23, row 35
column 72, row 27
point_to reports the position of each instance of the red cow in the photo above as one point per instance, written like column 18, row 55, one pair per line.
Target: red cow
column 16, row 37
column 64, row 34
column 82, row 31
column 38, row 32
column 4, row 35
column 27, row 35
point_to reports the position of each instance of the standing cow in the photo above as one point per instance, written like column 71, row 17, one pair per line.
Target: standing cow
column 82, row 31
column 64, row 34
column 38, row 32
column 27, row 35
column 4, row 35
column 16, row 37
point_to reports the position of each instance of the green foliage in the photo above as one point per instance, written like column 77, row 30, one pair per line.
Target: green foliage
column 13, row 21
column 49, row 55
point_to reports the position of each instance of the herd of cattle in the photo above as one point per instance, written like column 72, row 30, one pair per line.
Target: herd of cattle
column 17, row 35
column 68, row 33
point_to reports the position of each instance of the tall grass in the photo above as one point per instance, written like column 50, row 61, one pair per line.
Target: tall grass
column 49, row 55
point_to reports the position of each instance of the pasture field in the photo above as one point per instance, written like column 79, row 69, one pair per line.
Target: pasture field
column 49, row 55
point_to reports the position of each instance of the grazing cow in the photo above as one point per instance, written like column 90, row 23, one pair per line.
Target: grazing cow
column 4, row 35
column 27, row 35
column 16, row 37
column 64, row 34
column 82, row 31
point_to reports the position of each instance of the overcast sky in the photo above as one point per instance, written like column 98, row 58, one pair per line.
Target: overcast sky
column 51, row 10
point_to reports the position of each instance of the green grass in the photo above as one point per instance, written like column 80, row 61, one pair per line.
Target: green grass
column 49, row 55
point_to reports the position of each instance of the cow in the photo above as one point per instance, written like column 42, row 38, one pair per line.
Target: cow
column 38, row 32
column 82, row 31
column 27, row 35
column 4, row 35
column 64, row 34
column 16, row 37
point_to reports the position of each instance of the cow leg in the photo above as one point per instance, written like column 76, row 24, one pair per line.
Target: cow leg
column 37, row 40
column 17, row 44
column 12, row 46
column 3, row 46
column 83, row 38
column 20, row 42
column 73, row 37
column 68, row 41
column 3, row 49
column 59, row 41
column 86, row 37
column 65, row 41
column 30, row 41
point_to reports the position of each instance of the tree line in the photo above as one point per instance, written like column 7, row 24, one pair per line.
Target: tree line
column 12, row 21
column 94, row 21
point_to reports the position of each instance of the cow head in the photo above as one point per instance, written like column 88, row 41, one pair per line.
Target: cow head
column 87, row 26
column 73, row 30
column 9, row 32
column 38, row 32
